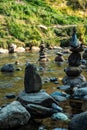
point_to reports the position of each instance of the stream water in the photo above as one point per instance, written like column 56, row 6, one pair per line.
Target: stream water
column 14, row 82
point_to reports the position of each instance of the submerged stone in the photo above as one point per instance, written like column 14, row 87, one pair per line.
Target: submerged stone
column 7, row 68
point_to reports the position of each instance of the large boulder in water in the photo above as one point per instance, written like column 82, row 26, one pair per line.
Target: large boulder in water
column 13, row 115
column 79, row 122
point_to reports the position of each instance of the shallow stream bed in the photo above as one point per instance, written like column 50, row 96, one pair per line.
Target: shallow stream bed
column 14, row 82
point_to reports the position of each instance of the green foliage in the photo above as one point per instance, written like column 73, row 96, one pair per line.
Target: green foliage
column 21, row 20
column 81, row 32
column 65, row 42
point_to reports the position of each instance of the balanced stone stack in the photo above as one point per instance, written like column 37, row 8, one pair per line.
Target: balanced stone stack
column 74, row 70
column 42, row 52
column 36, row 101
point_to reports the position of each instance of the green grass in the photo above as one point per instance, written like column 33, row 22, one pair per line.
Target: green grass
column 21, row 21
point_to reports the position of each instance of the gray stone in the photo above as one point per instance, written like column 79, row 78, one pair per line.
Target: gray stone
column 7, row 68
column 59, row 116
column 76, row 80
column 60, row 129
column 13, row 115
column 64, row 87
column 74, row 41
column 74, row 59
column 73, row 71
column 80, row 92
column 38, row 111
column 38, row 104
column 56, row 107
column 32, row 80
column 60, row 96
column 39, row 98
column 79, row 122
column 10, row 95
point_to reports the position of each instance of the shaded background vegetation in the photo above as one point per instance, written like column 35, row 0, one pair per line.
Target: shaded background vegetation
column 20, row 21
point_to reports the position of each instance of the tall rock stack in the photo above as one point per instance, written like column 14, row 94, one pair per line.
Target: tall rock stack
column 73, row 73
column 74, row 70
column 42, row 53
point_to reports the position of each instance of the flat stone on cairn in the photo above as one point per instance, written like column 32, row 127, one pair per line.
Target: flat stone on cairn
column 39, row 98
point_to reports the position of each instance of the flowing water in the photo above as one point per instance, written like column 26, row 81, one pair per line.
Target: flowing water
column 14, row 82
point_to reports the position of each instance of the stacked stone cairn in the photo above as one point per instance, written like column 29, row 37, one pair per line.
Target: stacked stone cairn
column 35, row 100
column 73, row 71
column 42, row 52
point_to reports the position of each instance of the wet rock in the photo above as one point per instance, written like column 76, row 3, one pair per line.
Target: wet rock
column 13, row 115
column 39, row 98
column 38, row 111
column 80, row 92
column 59, row 58
column 59, row 96
column 11, row 48
column 32, row 80
column 6, row 85
column 42, row 128
column 38, row 104
column 74, row 41
column 59, row 116
column 18, row 69
column 84, row 62
column 42, row 53
column 74, row 59
column 56, row 82
column 64, row 87
column 56, row 107
column 53, row 79
column 60, row 129
column 8, row 68
column 10, row 95
column 79, row 122
column 73, row 71
column 85, row 97
column 76, row 80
